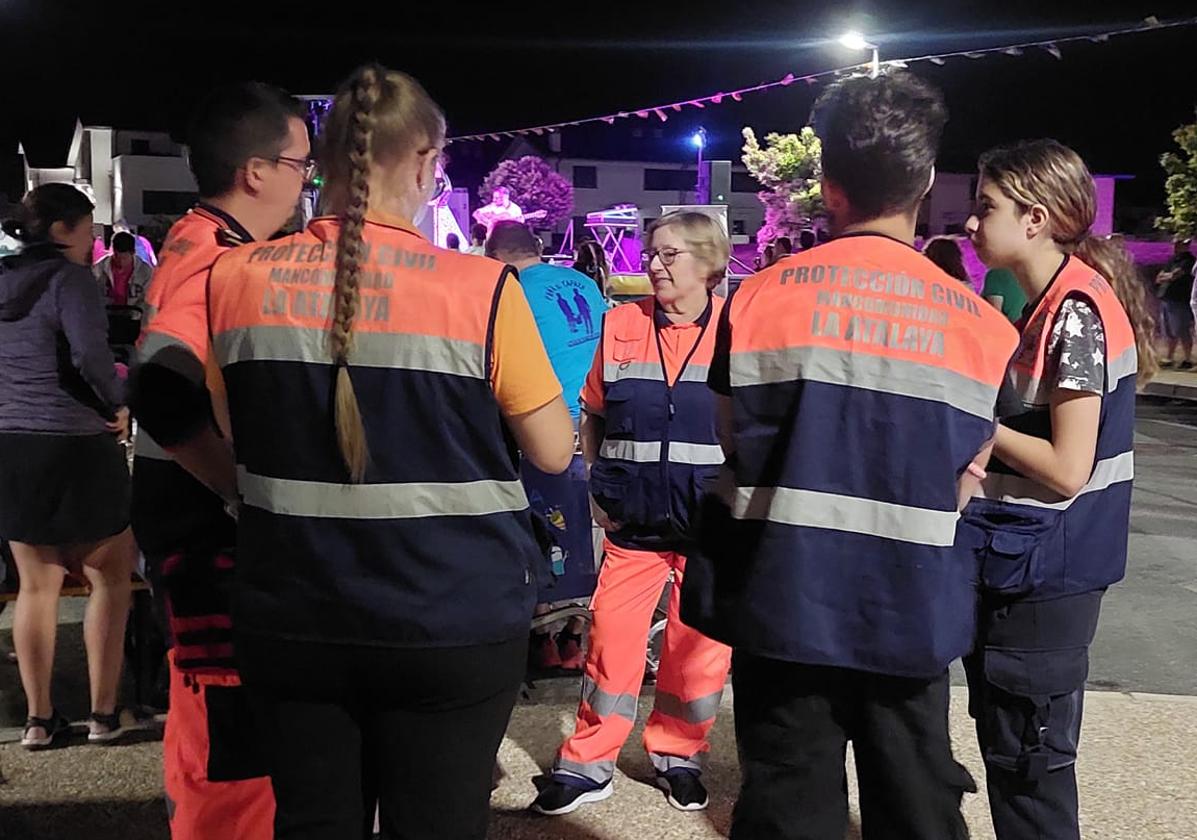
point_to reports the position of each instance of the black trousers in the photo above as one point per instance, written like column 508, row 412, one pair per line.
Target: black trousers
column 1026, row 687
column 415, row 730
column 793, row 723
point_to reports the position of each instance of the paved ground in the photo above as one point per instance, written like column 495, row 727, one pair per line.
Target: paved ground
column 1138, row 774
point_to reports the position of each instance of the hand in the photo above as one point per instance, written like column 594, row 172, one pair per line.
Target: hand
column 976, row 470
column 120, row 426
column 601, row 518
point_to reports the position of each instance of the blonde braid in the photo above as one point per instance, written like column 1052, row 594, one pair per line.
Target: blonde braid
column 351, row 432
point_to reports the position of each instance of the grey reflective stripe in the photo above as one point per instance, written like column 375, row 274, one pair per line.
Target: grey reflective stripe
column 594, row 771
column 861, row 370
column 154, row 342
column 632, row 370
column 145, row 446
column 699, row 454
column 665, row 763
column 1017, row 490
column 647, row 452
column 652, row 370
column 291, row 497
column 1126, row 364
column 390, row 350
column 699, row 710
column 604, row 704
column 812, row 509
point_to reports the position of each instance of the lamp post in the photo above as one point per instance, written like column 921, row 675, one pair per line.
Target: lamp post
column 856, row 41
column 699, row 141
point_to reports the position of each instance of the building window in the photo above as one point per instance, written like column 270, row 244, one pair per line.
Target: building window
column 585, row 177
column 669, row 180
column 167, row 202
column 742, row 182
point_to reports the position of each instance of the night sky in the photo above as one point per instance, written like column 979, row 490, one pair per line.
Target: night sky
column 504, row 65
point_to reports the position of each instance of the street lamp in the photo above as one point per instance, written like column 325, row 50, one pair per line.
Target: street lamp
column 855, row 41
column 699, row 141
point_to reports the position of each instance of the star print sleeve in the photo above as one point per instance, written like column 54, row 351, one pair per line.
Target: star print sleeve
column 1077, row 348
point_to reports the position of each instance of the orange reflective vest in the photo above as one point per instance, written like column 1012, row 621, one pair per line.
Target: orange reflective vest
column 863, row 381
column 435, row 546
column 1083, row 541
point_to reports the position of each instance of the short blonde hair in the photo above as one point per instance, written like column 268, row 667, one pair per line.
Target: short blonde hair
column 704, row 236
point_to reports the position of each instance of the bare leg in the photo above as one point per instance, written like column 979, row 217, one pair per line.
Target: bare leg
column 108, row 566
column 35, row 622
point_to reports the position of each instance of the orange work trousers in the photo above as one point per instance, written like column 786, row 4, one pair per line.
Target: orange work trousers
column 690, row 678
column 215, row 788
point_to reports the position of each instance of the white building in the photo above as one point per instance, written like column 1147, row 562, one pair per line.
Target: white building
column 130, row 175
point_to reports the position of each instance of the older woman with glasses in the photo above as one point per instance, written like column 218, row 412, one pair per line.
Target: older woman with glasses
column 648, row 436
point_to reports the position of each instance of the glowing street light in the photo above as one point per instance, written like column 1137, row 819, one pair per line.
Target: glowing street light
column 857, row 42
column 699, row 139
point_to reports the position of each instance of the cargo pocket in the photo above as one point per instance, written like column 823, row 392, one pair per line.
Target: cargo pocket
column 235, row 751
column 1031, row 717
column 1013, row 546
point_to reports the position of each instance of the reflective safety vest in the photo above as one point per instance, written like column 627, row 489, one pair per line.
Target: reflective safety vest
column 172, row 511
column 864, row 381
column 661, row 452
column 1082, row 541
column 435, row 547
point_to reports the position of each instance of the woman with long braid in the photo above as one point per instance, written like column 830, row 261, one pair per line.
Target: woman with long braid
column 387, row 561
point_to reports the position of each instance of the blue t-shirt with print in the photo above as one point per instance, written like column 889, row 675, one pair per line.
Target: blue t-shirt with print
column 568, row 308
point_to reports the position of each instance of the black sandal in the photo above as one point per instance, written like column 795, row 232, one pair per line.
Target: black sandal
column 106, row 729
column 53, row 726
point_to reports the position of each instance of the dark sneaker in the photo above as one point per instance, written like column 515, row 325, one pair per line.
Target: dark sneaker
column 684, row 790
column 1185, row 365
column 41, row 732
column 557, row 797
column 106, row 729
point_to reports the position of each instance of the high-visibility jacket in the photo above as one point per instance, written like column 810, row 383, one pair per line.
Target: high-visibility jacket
column 1081, row 545
column 661, row 452
column 435, row 546
column 864, row 381
column 172, row 510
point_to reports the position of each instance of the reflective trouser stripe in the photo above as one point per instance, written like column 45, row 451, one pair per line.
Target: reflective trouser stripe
column 692, row 666
column 698, row 710
column 605, row 704
column 665, row 763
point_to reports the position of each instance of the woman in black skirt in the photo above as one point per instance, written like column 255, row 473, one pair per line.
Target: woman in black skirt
column 64, row 480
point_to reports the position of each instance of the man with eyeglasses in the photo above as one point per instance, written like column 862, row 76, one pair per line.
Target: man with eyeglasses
column 250, row 154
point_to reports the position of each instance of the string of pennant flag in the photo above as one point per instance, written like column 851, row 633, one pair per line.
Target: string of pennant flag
column 663, row 112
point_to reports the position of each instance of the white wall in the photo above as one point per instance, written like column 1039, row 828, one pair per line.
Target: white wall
column 622, row 182
column 135, row 174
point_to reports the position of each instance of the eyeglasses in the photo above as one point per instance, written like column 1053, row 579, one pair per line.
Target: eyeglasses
column 666, row 255
column 304, row 166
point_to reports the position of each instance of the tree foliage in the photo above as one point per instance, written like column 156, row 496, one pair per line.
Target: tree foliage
column 1181, row 186
column 534, row 185
column 788, row 167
